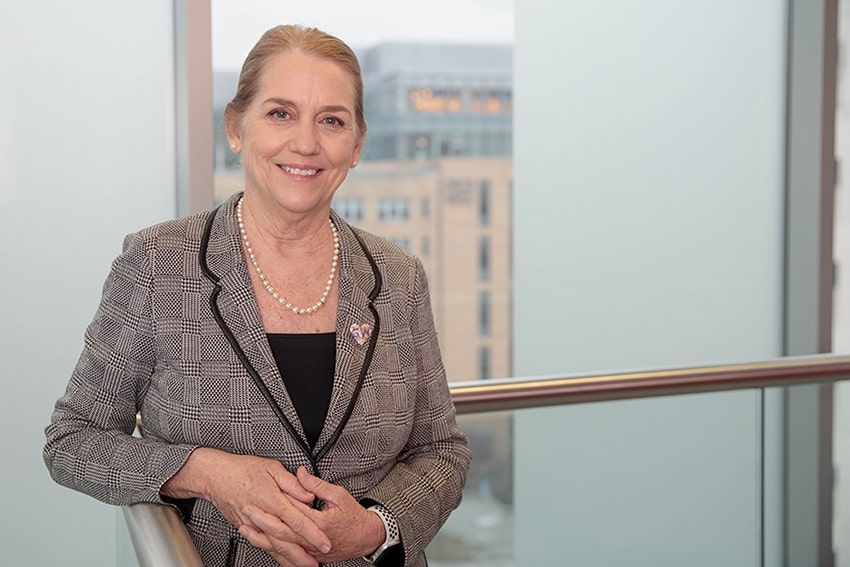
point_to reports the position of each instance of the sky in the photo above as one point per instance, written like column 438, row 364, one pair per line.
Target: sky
column 238, row 24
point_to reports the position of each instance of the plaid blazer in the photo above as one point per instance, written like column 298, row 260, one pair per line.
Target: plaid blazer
column 155, row 347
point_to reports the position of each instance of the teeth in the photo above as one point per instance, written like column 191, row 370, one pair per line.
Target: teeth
column 297, row 171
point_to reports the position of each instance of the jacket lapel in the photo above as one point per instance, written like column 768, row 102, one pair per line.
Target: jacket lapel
column 356, row 281
column 238, row 305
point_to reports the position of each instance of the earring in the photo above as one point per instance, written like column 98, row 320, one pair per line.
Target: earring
column 233, row 146
column 354, row 164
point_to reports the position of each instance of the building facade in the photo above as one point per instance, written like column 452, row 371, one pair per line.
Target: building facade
column 454, row 214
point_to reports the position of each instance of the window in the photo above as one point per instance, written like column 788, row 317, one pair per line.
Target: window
column 459, row 192
column 484, row 259
column 426, row 207
column 484, row 363
column 394, row 209
column 425, row 249
column 435, row 101
column 484, row 313
column 418, row 146
column 491, row 101
column 349, row 208
column 484, row 202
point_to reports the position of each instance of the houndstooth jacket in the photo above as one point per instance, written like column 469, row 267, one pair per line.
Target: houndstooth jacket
column 155, row 347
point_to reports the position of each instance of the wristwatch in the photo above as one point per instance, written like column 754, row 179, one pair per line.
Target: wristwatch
column 391, row 529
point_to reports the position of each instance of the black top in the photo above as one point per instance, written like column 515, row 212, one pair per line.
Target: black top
column 306, row 362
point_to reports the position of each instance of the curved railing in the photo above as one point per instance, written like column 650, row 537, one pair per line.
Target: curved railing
column 160, row 538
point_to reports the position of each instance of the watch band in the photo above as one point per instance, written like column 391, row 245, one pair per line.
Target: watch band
column 391, row 529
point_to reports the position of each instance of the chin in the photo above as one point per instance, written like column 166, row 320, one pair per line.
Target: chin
column 303, row 206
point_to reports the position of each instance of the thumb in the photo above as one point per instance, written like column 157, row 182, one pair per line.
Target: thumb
column 321, row 488
column 290, row 486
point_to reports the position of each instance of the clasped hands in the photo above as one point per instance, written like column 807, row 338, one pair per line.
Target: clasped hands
column 271, row 508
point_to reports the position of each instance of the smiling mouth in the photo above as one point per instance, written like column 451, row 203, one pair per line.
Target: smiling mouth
column 299, row 171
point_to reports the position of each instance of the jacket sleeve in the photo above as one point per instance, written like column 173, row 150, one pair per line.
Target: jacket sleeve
column 89, row 444
column 426, row 483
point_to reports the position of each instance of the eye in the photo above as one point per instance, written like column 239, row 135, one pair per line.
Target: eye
column 332, row 121
column 279, row 114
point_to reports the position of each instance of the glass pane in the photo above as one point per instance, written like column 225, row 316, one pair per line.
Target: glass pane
column 841, row 294
column 648, row 224
column 481, row 531
column 664, row 482
column 91, row 85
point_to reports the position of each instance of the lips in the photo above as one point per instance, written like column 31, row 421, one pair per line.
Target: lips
column 301, row 171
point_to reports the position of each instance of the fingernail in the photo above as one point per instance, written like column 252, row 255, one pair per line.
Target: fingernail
column 326, row 548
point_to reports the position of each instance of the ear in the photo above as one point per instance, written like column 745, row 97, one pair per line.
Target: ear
column 358, row 147
column 233, row 129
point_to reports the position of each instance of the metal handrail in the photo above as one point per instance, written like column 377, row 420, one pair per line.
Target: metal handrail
column 159, row 537
column 161, row 540
column 475, row 397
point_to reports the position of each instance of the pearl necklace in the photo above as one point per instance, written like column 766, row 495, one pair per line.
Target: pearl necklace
column 282, row 300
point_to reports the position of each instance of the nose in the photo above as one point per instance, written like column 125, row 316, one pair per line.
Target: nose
column 305, row 138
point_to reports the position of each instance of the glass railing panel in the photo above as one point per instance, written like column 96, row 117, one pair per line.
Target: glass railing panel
column 481, row 531
column 841, row 466
column 661, row 481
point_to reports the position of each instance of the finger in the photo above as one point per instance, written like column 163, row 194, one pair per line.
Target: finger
column 291, row 521
column 321, row 488
column 291, row 553
column 287, row 482
column 281, row 534
column 256, row 537
column 285, row 534
column 286, row 506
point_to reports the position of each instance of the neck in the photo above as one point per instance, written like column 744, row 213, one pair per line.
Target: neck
column 288, row 233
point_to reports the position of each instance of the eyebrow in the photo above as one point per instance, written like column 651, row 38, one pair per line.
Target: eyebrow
column 327, row 108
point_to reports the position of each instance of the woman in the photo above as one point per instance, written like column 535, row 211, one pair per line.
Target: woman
column 286, row 365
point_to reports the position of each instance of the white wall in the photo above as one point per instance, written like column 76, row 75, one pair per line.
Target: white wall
column 648, row 225
column 86, row 156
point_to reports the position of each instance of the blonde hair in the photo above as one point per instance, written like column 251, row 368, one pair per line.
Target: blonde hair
column 309, row 41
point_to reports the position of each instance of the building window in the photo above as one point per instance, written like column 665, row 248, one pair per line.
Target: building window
column 484, row 313
column 492, row 101
column 394, row 209
column 484, row 259
column 426, row 207
column 484, row 363
column 426, row 246
column 418, row 146
column 349, row 208
column 459, row 192
column 435, row 101
column 484, row 202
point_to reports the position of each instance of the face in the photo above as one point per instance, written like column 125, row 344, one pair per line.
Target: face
column 298, row 137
